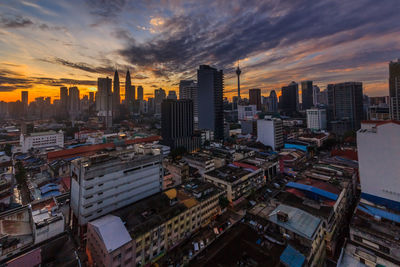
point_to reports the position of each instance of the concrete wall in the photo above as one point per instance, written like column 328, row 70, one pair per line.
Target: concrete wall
column 379, row 161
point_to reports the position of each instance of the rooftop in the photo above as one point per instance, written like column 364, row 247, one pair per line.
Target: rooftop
column 43, row 133
column 299, row 221
column 378, row 220
column 144, row 215
column 112, row 232
column 230, row 173
column 114, row 161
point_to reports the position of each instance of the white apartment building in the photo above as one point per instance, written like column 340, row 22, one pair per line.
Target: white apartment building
column 247, row 112
column 316, row 119
column 106, row 182
column 41, row 140
column 378, row 144
column 270, row 132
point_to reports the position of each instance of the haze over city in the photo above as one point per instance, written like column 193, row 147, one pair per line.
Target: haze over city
column 48, row 44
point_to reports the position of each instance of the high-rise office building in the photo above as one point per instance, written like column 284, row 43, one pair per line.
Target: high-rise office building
column 91, row 97
column 159, row 96
column 289, row 101
column 306, row 94
column 394, row 89
column 116, row 95
column 177, row 124
column 238, row 72
column 24, row 97
column 188, row 90
column 64, row 98
column 129, row 92
column 74, row 102
column 172, row 95
column 140, row 92
column 315, row 93
column 104, row 100
column 273, row 102
column 24, row 100
column 210, row 91
column 255, row 98
column 345, row 105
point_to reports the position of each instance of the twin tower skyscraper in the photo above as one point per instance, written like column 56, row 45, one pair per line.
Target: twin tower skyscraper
column 108, row 102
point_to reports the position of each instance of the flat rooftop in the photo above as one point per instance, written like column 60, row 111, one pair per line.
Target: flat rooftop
column 114, row 161
column 240, row 246
column 377, row 220
column 146, row 214
column 43, row 133
column 299, row 222
column 229, row 173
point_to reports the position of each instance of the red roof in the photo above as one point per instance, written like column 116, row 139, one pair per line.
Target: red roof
column 245, row 165
column 321, row 185
column 380, row 122
column 92, row 149
column 345, row 153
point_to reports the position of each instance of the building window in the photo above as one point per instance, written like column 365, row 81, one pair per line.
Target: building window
column 117, row 258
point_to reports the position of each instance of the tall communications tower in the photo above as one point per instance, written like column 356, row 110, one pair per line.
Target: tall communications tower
column 238, row 72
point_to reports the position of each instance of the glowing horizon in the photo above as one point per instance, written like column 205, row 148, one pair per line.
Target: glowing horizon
column 48, row 44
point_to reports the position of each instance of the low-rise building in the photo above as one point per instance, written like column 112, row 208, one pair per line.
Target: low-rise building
column 179, row 170
column 140, row 233
column 237, row 181
column 41, row 140
column 291, row 161
column 374, row 235
column 28, row 226
column 303, row 229
column 203, row 163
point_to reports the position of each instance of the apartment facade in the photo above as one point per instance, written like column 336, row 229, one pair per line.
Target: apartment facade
column 151, row 227
column 236, row 181
column 41, row 140
column 103, row 183
column 270, row 132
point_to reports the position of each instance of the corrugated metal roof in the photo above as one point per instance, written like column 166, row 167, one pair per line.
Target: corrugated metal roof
column 299, row 222
column 379, row 212
column 314, row 190
column 112, row 231
column 292, row 258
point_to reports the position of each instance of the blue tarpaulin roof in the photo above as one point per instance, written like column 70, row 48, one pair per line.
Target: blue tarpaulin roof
column 379, row 212
column 313, row 189
column 48, row 185
column 51, row 194
column 292, row 258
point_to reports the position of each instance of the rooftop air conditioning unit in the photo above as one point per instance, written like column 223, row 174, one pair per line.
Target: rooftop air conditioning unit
column 282, row 216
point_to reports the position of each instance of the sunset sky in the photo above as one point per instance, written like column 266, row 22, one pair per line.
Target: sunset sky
column 51, row 43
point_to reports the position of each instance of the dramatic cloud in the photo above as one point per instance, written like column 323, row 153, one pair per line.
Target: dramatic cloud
column 81, row 66
column 10, row 81
column 161, row 42
column 191, row 39
column 16, row 21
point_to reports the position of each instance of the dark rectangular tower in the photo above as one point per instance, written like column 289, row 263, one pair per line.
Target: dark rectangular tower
column 307, row 94
column 177, row 124
column 210, row 83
